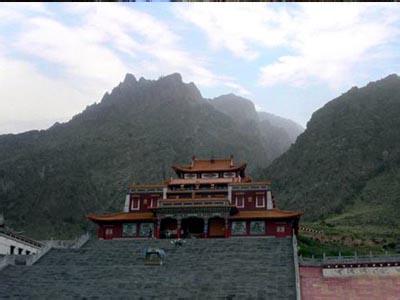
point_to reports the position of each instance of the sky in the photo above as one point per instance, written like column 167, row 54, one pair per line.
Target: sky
column 288, row 58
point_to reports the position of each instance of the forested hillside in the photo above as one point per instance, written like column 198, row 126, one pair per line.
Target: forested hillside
column 345, row 168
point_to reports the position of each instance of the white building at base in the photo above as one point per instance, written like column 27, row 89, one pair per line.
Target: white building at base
column 12, row 243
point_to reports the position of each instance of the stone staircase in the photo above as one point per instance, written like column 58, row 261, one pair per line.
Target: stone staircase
column 236, row 268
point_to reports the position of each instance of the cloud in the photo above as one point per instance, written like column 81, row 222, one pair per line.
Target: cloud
column 16, row 11
column 67, row 60
column 331, row 44
column 29, row 100
column 236, row 27
column 323, row 42
column 106, row 31
column 73, row 49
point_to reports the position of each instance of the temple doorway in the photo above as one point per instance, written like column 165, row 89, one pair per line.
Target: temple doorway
column 216, row 227
column 108, row 232
column 168, row 228
column 193, row 227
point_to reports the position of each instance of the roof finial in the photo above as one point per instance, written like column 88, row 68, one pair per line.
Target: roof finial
column 1, row 220
column 231, row 160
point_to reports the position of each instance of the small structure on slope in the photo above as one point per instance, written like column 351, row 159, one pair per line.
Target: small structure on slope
column 154, row 256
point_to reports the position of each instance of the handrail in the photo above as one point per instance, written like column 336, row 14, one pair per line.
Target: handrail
column 356, row 259
column 199, row 191
column 296, row 267
column 194, row 202
column 20, row 238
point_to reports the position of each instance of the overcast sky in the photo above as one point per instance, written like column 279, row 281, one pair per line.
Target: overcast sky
column 288, row 58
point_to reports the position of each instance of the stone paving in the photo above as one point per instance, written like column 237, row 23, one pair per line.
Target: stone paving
column 236, row 268
column 314, row 286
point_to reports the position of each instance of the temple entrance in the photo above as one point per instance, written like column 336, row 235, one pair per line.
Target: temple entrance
column 193, row 227
column 216, row 227
column 168, row 228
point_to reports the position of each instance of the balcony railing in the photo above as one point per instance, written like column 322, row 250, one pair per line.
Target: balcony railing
column 194, row 202
column 249, row 187
column 201, row 189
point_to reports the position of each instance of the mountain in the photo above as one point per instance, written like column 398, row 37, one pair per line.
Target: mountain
column 50, row 179
column 345, row 167
column 292, row 128
column 276, row 133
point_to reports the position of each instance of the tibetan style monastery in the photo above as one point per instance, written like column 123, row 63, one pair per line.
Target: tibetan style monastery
column 210, row 198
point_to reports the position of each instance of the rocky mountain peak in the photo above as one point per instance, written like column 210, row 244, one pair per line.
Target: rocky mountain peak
column 129, row 78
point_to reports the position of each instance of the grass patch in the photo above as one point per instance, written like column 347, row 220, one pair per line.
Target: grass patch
column 309, row 247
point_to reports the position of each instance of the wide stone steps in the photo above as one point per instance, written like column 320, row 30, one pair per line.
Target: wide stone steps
column 236, row 268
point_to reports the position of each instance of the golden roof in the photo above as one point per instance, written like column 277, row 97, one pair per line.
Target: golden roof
column 209, row 165
column 122, row 216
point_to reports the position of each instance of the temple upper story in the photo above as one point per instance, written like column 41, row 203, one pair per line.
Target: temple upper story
column 212, row 169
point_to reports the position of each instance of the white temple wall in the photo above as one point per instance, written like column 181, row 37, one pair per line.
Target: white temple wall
column 270, row 204
column 6, row 243
column 127, row 201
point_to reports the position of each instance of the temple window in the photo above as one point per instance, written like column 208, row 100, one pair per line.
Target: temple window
column 209, row 175
column 135, row 204
column 280, row 228
column 154, row 202
column 12, row 249
column 146, row 230
column 257, row 227
column 109, row 232
column 190, row 175
column 260, row 201
column 229, row 174
column 239, row 201
column 129, row 229
column 20, row 251
column 239, row 228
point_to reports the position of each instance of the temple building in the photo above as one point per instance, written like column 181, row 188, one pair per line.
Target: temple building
column 211, row 198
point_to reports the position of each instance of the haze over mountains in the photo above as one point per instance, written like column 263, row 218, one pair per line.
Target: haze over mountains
column 276, row 133
column 345, row 167
column 50, row 179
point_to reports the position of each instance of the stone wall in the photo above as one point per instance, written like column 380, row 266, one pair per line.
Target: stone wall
column 368, row 286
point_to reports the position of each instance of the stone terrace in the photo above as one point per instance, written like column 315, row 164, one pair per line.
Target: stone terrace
column 236, row 268
column 314, row 286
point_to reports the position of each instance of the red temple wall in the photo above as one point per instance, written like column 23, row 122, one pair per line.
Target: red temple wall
column 116, row 231
column 145, row 201
column 272, row 228
column 250, row 199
